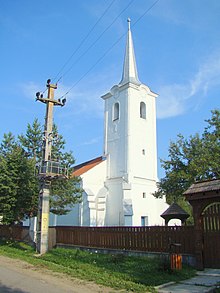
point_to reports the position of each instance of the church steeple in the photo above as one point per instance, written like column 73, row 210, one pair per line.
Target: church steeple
column 130, row 68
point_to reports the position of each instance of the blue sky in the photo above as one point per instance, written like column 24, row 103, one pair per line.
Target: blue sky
column 177, row 47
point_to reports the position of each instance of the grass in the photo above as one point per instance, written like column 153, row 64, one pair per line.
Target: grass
column 138, row 274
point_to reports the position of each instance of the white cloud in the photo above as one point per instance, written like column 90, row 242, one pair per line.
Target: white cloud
column 92, row 141
column 175, row 99
column 171, row 101
column 207, row 76
column 29, row 89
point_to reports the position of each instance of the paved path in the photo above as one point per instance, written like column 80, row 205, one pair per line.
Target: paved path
column 20, row 277
column 205, row 281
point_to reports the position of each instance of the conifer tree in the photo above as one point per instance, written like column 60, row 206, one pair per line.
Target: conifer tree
column 32, row 140
column 65, row 192
column 17, row 182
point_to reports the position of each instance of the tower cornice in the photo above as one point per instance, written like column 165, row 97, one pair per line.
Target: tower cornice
column 121, row 87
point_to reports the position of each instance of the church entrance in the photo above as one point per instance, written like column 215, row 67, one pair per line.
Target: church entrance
column 211, row 235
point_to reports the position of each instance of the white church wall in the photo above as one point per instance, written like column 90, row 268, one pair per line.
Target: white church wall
column 115, row 137
column 92, row 213
column 101, row 206
column 114, row 203
column 142, row 135
column 146, row 205
column 93, row 179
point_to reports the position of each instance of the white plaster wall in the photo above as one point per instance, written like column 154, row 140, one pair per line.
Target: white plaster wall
column 114, row 203
column 142, row 134
column 130, row 135
column 85, row 213
column 116, row 134
column 94, row 178
column 101, row 206
column 149, row 206
column 92, row 211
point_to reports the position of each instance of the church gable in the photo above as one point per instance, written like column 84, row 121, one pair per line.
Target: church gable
column 86, row 166
column 92, row 208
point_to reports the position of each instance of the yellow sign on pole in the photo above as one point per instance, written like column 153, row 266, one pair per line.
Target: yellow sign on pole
column 44, row 224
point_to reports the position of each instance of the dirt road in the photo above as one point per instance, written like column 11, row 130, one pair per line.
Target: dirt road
column 20, row 277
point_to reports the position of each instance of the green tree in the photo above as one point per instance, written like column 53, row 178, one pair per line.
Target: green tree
column 65, row 192
column 32, row 140
column 190, row 160
column 7, row 185
column 17, row 182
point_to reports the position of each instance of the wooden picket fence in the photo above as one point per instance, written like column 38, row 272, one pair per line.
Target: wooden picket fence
column 15, row 232
column 148, row 239
column 161, row 239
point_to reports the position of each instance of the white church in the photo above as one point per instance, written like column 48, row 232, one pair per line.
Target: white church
column 118, row 186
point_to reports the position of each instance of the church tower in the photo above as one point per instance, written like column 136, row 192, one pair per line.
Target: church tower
column 130, row 149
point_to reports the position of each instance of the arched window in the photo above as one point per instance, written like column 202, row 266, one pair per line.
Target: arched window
column 116, row 111
column 143, row 110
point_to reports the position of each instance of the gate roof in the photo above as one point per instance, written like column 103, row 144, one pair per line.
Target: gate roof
column 203, row 189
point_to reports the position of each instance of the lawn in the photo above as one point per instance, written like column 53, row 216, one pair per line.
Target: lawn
column 138, row 274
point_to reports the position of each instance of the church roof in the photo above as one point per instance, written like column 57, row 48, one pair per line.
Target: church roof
column 86, row 166
column 130, row 69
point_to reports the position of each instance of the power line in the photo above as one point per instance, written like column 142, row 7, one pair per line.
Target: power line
column 90, row 69
column 83, row 41
column 99, row 37
column 114, row 44
column 145, row 12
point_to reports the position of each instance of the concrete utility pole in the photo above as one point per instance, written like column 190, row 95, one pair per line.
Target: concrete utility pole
column 48, row 170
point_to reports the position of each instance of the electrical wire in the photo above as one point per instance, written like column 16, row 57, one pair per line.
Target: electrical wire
column 99, row 37
column 145, row 12
column 113, row 45
column 82, row 42
column 90, row 69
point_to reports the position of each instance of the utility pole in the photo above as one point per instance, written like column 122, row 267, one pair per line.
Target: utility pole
column 48, row 170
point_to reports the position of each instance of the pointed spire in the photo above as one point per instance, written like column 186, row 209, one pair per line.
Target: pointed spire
column 130, row 69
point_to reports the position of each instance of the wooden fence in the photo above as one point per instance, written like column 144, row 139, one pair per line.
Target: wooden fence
column 15, row 232
column 149, row 239
column 161, row 239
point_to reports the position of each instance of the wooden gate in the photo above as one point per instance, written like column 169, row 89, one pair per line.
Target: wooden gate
column 211, row 234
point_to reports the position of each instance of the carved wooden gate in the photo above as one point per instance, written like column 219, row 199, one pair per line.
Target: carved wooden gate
column 211, row 234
